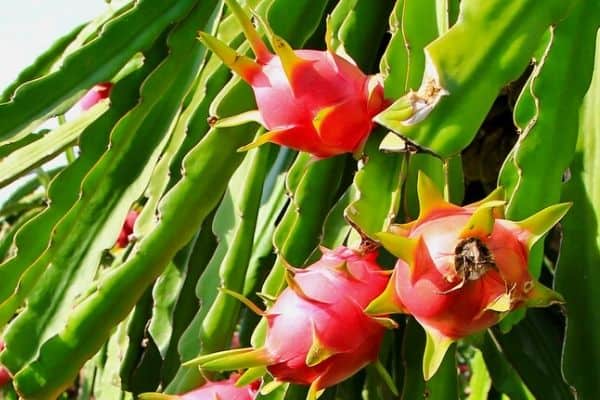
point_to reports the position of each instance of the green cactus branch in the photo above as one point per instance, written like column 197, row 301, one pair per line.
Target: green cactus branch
column 495, row 40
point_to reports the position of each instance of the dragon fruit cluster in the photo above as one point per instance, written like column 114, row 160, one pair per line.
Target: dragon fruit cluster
column 459, row 269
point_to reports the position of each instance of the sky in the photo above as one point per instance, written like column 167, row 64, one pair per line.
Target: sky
column 28, row 27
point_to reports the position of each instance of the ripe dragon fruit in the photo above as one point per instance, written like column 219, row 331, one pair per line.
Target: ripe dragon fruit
column 309, row 100
column 99, row 92
column 461, row 269
column 218, row 390
column 127, row 229
column 317, row 331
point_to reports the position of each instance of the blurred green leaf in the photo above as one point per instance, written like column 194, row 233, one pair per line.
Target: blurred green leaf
column 578, row 272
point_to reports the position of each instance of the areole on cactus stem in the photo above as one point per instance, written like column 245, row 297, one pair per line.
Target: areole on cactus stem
column 319, row 102
column 461, row 269
column 318, row 333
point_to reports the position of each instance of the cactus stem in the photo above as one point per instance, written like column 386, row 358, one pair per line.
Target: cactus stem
column 386, row 377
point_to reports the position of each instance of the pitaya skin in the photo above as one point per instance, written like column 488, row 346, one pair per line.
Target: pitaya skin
column 127, row 229
column 318, row 333
column 454, row 302
column 99, row 92
column 461, row 269
column 223, row 390
column 4, row 375
column 213, row 390
column 325, row 305
column 309, row 100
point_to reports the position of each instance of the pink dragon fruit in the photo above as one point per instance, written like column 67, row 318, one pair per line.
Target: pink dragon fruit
column 461, row 269
column 127, row 229
column 218, row 390
column 4, row 375
column 309, row 100
column 99, row 92
column 317, row 331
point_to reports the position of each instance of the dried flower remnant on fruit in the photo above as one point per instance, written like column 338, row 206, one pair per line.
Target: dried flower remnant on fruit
column 313, row 101
column 472, row 259
column 461, row 269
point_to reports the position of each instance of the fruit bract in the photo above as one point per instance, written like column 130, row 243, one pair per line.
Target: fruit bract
column 461, row 269
column 318, row 333
column 127, row 229
column 99, row 92
column 217, row 390
column 309, row 100
column 4, row 375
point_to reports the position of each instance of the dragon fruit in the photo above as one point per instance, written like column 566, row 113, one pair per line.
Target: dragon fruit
column 314, row 101
column 4, row 375
column 99, row 92
column 127, row 229
column 461, row 269
column 318, row 333
column 218, row 390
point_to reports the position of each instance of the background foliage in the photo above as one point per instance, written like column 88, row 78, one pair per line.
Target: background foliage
column 82, row 319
